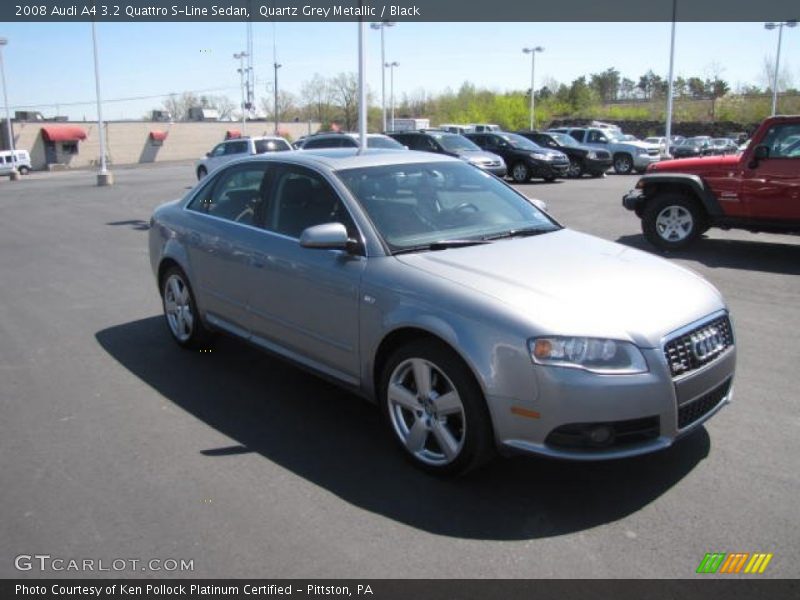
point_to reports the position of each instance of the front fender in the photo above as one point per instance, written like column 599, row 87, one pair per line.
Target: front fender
column 651, row 182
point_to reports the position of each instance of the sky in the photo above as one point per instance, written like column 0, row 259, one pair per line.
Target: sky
column 49, row 65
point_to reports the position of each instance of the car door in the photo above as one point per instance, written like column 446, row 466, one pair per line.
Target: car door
column 220, row 238
column 771, row 188
column 304, row 302
column 215, row 157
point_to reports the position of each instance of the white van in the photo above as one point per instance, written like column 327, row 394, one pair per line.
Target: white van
column 7, row 164
column 484, row 127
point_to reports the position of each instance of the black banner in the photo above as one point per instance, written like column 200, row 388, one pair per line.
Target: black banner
column 132, row 11
column 390, row 589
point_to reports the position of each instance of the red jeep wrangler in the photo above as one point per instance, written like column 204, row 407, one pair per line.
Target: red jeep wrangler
column 758, row 190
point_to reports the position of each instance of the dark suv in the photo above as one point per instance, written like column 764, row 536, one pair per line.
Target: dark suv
column 582, row 159
column 452, row 144
column 524, row 158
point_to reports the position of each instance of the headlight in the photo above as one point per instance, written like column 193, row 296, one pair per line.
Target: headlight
column 590, row 354
column 591, row 155
column 641, row 151
column 540, row 156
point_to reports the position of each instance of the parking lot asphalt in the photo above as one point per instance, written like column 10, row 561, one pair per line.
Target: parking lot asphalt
column 116, row 444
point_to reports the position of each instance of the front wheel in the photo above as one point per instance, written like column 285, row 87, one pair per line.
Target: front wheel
column 201, row 172
column 435, row 408
column 623, row 164
column 520, row 173
column 24, row 170
column 575, row 168
column 672, row 221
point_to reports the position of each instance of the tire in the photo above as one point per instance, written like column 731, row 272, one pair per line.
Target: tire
column 180, row 311
column 549, row 179
column 623, row 164
column 673, row 221
column 520, row 172
column 201, row 172
column 24, row 170
column 575, row 168
column 443, row 426
column 598, row 174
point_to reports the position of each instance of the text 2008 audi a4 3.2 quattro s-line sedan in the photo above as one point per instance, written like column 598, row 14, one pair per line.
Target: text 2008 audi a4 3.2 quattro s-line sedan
column 474, row 320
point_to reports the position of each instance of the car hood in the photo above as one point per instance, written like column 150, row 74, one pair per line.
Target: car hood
column 697, row 164
column 571, row 283
column 639, row 144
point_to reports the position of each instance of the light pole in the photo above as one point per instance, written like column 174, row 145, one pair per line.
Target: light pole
column 14, row 173
column 780, row 26
column 532, row 51
column 104, row 177
column 391, row 67
column 240, row 56
column 668, row 127
column 276, row 66
column 383, row 25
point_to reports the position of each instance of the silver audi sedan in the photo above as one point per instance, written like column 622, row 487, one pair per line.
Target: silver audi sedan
column 472, row 318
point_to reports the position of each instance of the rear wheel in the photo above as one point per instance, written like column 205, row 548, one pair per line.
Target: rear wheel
column 520, row 172
column 673, row 221
column 623, row 164
column 201, row 172
column 575, row 168
column 435, row 408
column 23, row 170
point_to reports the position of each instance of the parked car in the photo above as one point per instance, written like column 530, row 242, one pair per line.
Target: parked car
column 582, row 159
column 758, row 190
column 723, row 146
column 350, row 140
column 482, row 127
column 692, row 147
column 473, row 319
column 627, row 156
column 524, row 158
column 442, row 142
column 232, row 149
column 19, row 160
column 661, row 142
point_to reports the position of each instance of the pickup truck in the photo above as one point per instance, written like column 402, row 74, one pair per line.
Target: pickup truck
column 757, row 190
column 627, row 155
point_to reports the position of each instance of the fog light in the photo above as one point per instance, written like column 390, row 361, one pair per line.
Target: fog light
column 601, row 434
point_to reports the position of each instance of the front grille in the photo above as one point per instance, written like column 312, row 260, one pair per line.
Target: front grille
column 697, row 409
column 698, row 347
column 602, row 154
column 623, row 433
column 654, row 152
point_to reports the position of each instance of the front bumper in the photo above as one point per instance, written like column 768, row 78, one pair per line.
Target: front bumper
column 548, row 169
column 634, row 200
column 645, row 412
column 642, row 161
column 597, row 165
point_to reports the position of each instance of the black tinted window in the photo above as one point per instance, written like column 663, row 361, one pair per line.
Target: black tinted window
column 234, row 195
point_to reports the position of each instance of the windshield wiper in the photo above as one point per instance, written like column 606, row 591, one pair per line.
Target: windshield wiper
column 442, row 245
column 522, row 232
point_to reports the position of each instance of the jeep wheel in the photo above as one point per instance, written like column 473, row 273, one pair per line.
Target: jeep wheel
column 672, row 221
column 623, row 164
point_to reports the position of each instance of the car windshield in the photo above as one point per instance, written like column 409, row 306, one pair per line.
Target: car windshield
column 565, row 140
column 426, row 206
column 384, row 142
column 263, row 146
column 455, row 143
column 517, row 141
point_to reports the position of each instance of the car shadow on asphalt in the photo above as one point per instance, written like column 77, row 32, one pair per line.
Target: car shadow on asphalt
column 765, row 256
column 338, row 441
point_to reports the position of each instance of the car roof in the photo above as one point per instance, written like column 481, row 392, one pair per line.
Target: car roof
column 349, row 158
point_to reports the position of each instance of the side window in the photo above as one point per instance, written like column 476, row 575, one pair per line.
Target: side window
column 236, row 194
column 431, row 145
column 218, row 150
column 302, row 198
column 783, row 141
column 577, row 134
column 238, row 147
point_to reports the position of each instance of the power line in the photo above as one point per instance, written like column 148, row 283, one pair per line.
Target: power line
column 129, row 99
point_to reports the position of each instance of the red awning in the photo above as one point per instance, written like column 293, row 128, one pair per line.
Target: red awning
column 232, row 134
column 63, row 133
column 158, row 136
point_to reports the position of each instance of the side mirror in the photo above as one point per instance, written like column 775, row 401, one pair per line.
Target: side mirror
column 328, row 236
column 208, row 154
column 760, row 152
column 540, row 204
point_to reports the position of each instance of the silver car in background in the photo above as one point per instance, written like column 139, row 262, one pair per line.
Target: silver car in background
column 473, row 319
